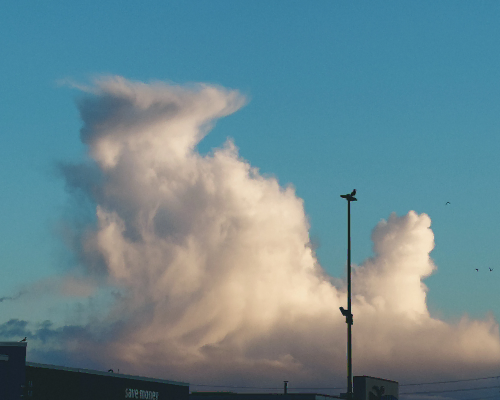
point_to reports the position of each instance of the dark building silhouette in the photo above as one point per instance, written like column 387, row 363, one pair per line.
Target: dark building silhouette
column 365, row 388
column 258, row 396
column 12, row 369
column 371, row 388
column 32, row 381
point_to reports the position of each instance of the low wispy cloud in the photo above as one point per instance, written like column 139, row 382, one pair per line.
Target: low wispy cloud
column 212, row 267
column 10, row 298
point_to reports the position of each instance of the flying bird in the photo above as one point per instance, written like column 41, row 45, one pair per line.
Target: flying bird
column 491, row 269
column 447, row 203
column 477, row 270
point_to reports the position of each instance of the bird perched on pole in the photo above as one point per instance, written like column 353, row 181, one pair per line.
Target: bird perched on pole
column 350, row 196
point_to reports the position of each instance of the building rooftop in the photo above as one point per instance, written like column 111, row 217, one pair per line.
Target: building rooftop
column 19, row 344
column 95, row 372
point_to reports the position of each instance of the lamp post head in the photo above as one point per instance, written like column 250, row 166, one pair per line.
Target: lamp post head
column 350, row 196
column 348, row 316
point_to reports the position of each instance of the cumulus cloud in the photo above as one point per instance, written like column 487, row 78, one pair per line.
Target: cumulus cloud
column 212, row 269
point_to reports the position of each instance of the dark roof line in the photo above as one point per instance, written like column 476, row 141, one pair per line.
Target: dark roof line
column 95, row 372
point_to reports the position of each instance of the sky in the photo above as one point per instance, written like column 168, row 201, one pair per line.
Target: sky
column 172, row 176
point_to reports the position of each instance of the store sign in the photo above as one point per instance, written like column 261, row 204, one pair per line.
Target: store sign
column 141, row 394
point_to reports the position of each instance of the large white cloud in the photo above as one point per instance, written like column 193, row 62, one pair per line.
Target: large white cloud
column 212, row 261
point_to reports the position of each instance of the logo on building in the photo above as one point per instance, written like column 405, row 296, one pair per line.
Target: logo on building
column 141, row 394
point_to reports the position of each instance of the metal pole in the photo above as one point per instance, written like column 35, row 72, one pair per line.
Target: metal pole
column 348, row 313
column 349, row 310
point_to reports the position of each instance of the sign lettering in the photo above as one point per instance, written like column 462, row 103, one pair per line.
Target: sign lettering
column 141, row 394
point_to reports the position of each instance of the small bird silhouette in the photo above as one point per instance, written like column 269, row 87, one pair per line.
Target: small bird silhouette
column 491, row 269
column 477, row 270
column 23, row 340
column 447, row 203
column 349, row 197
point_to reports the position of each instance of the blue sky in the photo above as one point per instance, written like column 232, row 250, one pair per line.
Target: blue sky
column 399, row 100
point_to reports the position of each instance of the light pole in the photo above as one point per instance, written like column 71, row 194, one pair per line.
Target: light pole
column 348, row 313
